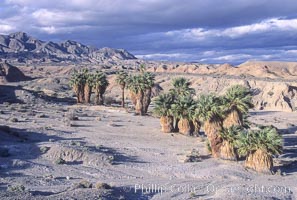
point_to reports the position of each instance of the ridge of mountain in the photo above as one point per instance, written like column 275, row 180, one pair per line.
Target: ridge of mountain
column 20, row 47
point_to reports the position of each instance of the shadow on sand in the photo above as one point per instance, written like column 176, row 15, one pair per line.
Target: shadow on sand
column 290, row 154
column 7, row 94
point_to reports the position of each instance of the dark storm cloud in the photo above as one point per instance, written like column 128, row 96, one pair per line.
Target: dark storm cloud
column 228, row 31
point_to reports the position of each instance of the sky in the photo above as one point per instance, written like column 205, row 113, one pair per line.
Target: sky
column 207, row 31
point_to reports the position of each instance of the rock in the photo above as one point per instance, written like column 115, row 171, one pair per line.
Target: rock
column 102, row 186
column 13, row 119
column 5, row 129
column 9, row 73
column 83, row 184
column 79, row 154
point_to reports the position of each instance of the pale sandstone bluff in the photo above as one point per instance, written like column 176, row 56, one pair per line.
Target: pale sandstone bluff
column 277, row 96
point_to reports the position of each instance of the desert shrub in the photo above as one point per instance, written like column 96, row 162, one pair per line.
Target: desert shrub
column 60, row 161
column 44, row 149
column 71, row 115
column 83, row 184
column 16, row 188
column 102, row 186
column 270, row 93
column 194, row 156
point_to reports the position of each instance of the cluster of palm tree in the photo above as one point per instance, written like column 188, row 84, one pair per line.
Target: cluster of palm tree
column 176, row 108
column 224, row 122
column 140, row 87
column 84, row 82
column 259, row 147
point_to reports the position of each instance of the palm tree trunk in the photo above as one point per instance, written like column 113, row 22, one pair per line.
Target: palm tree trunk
column 133, row 98
column 102, row 90
column 233, row 118
column 166, row 124
column 184, row 126
column 101, row 98
column 76, row 91
column 228, row 151
column 197, row 127
column 259, row 161
column 147, row 99
column 87, row 93
column 139, row 103
column 97, row 91
column 81, row 95
column 212, row 129
column 123, row 95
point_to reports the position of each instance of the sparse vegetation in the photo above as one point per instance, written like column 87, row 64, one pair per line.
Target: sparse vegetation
column 44, row 149
column 16, row 188
column 270, row 93
column 83, row 184
column 60, row 161
column 194, row 156
column 102, row 186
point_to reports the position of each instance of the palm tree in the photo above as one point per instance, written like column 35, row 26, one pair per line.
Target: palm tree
column 209, row 111
column 140, row 87
column 77, row 82
column 259, row 146
column 101, row 83
column 130, row 82
column 182, row 109
column 181, row 87
column 163, row 110
column 88, row 86
column 149, row 81
column 121, row 80
column 137, row 87
column 237, row 101
column 229, row 137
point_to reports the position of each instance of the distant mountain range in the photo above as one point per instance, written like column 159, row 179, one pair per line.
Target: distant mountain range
column 21, row 48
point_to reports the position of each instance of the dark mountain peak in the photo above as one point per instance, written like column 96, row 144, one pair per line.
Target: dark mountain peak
column 19, row 36
column 70, row 42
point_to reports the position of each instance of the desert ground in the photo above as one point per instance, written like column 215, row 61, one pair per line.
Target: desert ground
column 122, row 155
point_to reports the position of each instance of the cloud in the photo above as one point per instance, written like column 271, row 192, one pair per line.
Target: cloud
column 166, row 56
column 167, row 29
column 4, row 28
